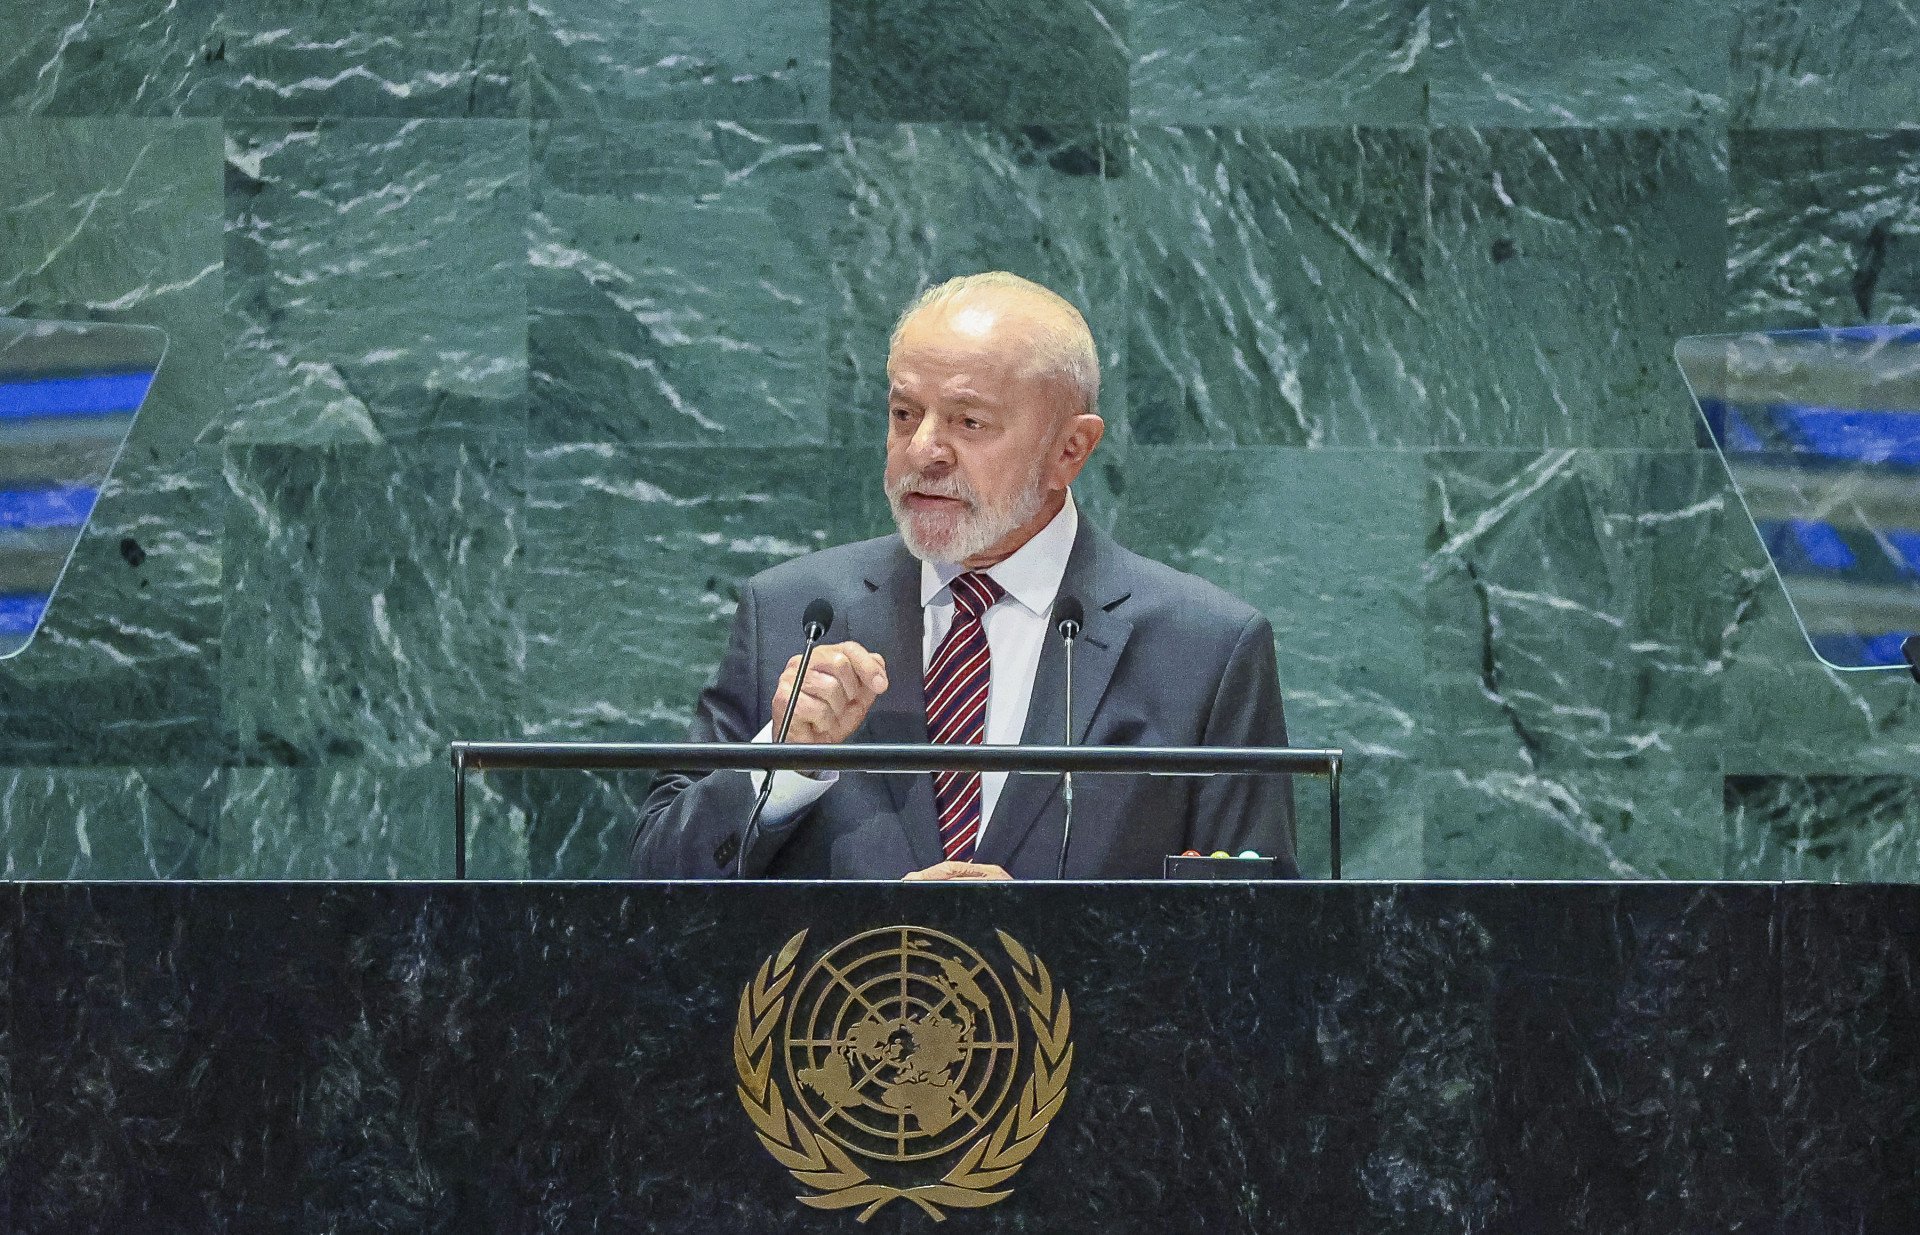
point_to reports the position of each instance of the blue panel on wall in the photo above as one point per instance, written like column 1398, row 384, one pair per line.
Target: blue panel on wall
column 1856, row 436
column 1821, row 546
column 102, row 394
column 55, row 506
column 20, row 614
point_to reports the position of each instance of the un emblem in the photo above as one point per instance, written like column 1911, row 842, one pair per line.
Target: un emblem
column 888, row 1070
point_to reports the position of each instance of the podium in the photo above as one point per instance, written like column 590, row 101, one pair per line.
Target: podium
column 1301, row 1056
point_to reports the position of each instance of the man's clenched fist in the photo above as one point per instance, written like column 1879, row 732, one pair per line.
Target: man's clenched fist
column 843, row 680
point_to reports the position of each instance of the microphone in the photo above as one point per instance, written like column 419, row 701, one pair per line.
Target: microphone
column 1068, row 618
column 813, row 625
column 814, row 622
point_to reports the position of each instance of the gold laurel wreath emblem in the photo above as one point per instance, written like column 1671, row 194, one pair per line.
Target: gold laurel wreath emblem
column 839, row 1183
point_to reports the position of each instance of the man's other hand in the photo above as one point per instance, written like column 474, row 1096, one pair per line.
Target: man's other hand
column 843, row 680
column 961, row 870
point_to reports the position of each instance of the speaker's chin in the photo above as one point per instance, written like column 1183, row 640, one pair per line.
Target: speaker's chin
column 931, row 537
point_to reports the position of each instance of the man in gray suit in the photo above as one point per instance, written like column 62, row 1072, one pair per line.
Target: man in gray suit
column 941, row 633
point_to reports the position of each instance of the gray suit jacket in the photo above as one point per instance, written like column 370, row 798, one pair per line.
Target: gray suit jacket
column 1165, row 659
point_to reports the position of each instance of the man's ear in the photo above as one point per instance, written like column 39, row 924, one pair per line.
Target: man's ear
column 1082, row 435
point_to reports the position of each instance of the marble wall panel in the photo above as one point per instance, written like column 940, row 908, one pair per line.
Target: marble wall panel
column 374, row 603
column 676, row 274
column 1510, row 63
column 1579, row 604
column 634, row 562
column 997, row 60
column 1842, row 829
column 278, row 58
column 1850, row 997
column 553, row 825
column 82, row 58
column 613, row 60
column 464, row 58
column 920, row 204
column 1654, row 820
column 341, row 820
column 376, row 276
column 109, row 823
column 1337, row 578
column 1566, row 263
column 1383, row 821
column 113, row 220
column 1244, row 62
column 125, row 668
column 1825, row 229
column 1280, row 287
column 1326, row 544
column 1824, row 66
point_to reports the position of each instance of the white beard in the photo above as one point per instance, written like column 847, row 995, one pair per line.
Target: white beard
column 948, row 540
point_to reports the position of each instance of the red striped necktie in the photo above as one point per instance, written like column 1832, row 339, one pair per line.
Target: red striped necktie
column 957, row 684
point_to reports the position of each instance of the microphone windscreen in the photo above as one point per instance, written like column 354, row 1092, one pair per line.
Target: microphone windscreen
column 818, row 617
column 1068, row 613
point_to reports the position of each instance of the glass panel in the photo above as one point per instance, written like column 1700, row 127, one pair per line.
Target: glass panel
column 69, row 392
column 1820, row 431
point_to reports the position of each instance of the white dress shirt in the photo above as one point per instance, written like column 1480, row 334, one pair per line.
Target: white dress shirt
column 1016, row 633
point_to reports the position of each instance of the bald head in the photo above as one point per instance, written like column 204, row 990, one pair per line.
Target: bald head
column 1005, row 310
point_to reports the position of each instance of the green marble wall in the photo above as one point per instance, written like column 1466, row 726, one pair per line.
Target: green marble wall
column 508, row 337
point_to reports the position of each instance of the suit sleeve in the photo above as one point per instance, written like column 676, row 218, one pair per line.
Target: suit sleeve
column 691, row 823
column 1237, row 813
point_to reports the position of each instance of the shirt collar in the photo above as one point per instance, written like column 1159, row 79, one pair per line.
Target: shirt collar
column 1031, row 574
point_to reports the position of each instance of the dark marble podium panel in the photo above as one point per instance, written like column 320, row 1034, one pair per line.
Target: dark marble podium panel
column 1304, row 1057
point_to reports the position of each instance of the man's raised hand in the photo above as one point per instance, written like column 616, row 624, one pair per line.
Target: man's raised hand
column 843, row 680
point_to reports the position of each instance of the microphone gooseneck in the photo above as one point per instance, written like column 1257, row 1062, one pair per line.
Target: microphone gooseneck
column 1068, row 619
column 813, row 624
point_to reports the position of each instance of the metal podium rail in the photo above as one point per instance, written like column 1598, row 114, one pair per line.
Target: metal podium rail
column 887, row 758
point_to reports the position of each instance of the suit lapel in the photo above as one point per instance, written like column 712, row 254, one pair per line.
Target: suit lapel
column 1093, row 576
column 886, row 618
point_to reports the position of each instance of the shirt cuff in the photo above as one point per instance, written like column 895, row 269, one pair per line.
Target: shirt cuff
column 792, row 792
